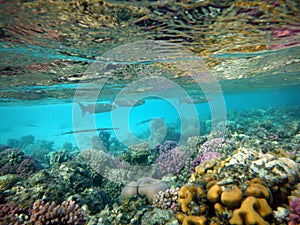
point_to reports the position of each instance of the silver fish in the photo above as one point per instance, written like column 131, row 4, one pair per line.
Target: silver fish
column 129, row 102
column 149, row 120
column 96, row 108
column 194, row 100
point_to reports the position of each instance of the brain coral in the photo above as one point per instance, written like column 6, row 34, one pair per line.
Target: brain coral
column 145, row 186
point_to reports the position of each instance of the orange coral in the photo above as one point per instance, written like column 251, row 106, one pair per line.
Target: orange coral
column 214, row 193
column 232, row 198
column 253, row 211
column 257, row 188
column 186, row 195
column 191, row 220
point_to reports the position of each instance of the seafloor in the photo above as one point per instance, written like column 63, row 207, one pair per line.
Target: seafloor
column 240, row 171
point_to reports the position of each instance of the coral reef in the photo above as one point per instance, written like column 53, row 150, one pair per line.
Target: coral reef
column 214, row 145
column 159, row 217
column 130, row 211
column 7, row 181
column 164, row 147
column 98, row 160
column 70, row 180
column 138, row 154
column 50, row 213
column 14, row 161
column 294, row 211
column 11, row 213
column 202, row 158
column 144, row 186
column 252, row 211
column 167, row 199
column 171, row 161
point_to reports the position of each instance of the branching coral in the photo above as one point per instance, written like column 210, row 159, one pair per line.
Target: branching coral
column 50, row 213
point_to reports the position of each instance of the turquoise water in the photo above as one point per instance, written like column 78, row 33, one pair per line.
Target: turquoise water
column 49, row 121
column 149, row 112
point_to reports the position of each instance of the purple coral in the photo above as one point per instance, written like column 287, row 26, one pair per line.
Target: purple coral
column 14, row 161
column 171, row 161
column 202, row 158
column 166, row 146
column 214, row 145
column 295, row 211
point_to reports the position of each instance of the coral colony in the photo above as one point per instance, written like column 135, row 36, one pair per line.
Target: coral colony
column 246, row 178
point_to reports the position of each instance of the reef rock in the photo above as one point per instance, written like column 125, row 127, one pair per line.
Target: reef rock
column 274, row 170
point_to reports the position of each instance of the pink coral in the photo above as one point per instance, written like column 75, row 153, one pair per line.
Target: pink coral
column 294, row 211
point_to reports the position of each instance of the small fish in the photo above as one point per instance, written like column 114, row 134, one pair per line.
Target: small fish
column 148, row 120
column 194, row 100
column 96, row 108
column 129, row 102
column 89, row 130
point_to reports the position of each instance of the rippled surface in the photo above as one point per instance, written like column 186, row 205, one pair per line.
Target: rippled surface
column 54, row 42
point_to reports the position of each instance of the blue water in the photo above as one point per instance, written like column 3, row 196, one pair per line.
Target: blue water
column 49, row 122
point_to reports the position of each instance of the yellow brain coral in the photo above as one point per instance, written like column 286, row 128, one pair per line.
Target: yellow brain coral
column 186, row 196
column 257, row 188
column 232, row 198
column 191, row 220
column 253, row 211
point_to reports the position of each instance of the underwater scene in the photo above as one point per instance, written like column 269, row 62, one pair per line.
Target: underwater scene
column 149, row 112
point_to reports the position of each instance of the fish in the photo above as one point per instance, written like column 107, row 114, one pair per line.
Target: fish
column 88, row 130
column 148, row 120
column 194, row 100
column 129, row 102
column 96, row 108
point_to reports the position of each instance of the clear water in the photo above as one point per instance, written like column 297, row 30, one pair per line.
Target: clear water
column 192, row 76
column 49, row 121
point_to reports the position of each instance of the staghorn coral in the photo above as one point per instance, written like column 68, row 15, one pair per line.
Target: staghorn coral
column 65, row 213
column 171, row 161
